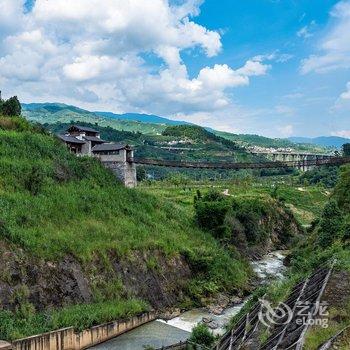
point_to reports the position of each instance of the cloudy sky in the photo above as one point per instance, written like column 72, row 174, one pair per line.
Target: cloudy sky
column 272, row 67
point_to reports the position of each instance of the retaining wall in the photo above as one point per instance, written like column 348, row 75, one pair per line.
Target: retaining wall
column 67, row 339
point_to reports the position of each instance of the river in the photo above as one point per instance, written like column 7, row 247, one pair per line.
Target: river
column 162, row 333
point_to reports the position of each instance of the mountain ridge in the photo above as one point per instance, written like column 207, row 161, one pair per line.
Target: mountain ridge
column 153, row 125
column 325, row 141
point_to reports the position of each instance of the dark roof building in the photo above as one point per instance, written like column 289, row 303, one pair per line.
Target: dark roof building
column 109, row 147
column 93, row 139
column 83, row 129
column 85, row 141
column 71, row 139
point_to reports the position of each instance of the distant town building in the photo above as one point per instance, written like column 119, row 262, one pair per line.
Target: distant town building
column 85, row 141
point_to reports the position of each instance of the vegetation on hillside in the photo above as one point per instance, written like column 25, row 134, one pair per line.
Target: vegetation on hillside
column 60, row 113
column 79, row 210
column 346, row 150
column 51, row 113
column 326, row 176
column 328, row 241
column 306, row 202
column 330, row 233
column 10, row 107
column 204, row 146
column 245, row 140
column 246, row 222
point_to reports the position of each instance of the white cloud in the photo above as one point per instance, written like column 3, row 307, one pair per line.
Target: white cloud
column 342, row 103
column 341, row 133
column 334, row 48
column 346, row 94
column 82, row 53
column 284, row 110
column 286, row 130
column 306, row 31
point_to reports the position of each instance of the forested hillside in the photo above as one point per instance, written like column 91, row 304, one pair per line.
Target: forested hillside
column 51, row 113
column 177, row 143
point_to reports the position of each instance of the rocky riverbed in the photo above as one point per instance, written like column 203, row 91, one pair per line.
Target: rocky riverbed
column 165, row 332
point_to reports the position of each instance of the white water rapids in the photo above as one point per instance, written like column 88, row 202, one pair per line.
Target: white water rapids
column 162, row 333
column 270, row 267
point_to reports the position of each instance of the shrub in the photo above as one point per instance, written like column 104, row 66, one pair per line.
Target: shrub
column 201, row 335
column 330, row 224
column 342, row 189
column 211, row 216
column 35, row 180
column 11, row 107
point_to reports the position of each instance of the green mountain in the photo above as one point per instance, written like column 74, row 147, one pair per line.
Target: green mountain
column 54, row 112
column 177, row 143
column 50, row 113
column 324, row 141
column 246, row 140
column 144, row 118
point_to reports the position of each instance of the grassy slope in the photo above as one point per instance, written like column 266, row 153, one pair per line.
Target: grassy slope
column 305, row 202
column 53, row 204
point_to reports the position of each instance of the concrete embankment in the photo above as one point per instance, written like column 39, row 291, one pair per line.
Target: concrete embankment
column 68, row 339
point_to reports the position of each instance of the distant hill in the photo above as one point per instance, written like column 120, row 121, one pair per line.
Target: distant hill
column 145, row 118
column 246, row 140
column 51, row 113
column 325, row 141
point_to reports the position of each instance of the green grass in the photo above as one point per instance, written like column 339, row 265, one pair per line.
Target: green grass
column 338, row 319
column 54, row 205
column 306, row 202
column 88, row 212
column 80, row 316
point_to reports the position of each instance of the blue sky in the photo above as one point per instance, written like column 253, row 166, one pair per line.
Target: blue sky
column 273, row 67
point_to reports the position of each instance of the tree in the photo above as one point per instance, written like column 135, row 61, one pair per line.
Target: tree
column 201, row 335
column 342, row 189
column 11, row 107
column 346, row 150
column 330, row 224
column 141, row 173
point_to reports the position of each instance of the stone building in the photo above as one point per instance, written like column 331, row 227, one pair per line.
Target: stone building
column 85, row 141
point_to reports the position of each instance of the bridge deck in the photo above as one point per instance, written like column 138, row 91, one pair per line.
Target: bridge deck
column 238, row 166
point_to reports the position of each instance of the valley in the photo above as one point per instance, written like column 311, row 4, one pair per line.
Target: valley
column 90, row 251
column 174, row 175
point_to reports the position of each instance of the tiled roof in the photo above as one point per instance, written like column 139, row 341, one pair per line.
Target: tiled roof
column 83, row 128
column 108, row 147
column 94, row 139
column 71, row 139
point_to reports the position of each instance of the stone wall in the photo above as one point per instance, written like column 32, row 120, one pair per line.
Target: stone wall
column 125, row 172
column 67, row 339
